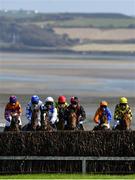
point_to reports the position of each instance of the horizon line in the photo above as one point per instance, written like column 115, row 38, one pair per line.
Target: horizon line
column 62, row 12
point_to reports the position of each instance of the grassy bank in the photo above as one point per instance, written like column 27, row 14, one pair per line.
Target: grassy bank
column 66, row 176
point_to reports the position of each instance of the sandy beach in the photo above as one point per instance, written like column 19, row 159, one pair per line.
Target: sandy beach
column 90, row 79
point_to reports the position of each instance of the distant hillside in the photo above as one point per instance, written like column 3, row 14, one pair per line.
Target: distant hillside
column 30, row 29
column 97, row 20
column 59, row 16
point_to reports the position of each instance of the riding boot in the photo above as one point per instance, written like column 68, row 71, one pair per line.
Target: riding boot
column 66, row 127
column 97, row 127
column 54, row 126
column 81, row 127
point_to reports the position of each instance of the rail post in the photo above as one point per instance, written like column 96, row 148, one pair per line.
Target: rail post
column 84, row 166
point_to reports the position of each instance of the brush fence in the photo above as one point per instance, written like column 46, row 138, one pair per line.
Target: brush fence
column 68, row 151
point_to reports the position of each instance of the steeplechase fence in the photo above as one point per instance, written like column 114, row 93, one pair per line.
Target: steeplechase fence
column 68, row 152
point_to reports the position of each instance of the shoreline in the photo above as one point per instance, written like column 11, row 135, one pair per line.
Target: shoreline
column 67, row 52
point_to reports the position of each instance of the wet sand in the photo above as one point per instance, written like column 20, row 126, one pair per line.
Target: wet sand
column 42, row 74
column 88, row 78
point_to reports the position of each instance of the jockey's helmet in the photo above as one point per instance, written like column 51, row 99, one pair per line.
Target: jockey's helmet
column 12, row 99
column 123, row 100
column 34, row 99
column 74, row 100
column 103, row 103
column 49, row 99
column 62, row 99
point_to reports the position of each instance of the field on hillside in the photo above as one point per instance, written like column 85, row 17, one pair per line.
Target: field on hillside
column 97, row 22
column 98, row 34
column 105, row 47
column 90, row 22
column 93, row 39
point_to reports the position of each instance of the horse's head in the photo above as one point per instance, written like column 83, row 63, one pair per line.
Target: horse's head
column 72, row 120
column 126, row 121
column 104, row 119
column 45, row 123
column 61, row 122
column 45, row 119
column 14, row 122
column 34, row 118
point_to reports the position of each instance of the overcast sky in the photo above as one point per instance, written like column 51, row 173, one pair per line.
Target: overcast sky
column 117, row 6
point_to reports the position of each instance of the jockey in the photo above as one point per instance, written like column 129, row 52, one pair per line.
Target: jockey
column 62, row 107
column 62, row 102
column 35, row 102
column 101, row 111
column 49, row 106
column 121, row 109
column 13, row 106
column 78, row 109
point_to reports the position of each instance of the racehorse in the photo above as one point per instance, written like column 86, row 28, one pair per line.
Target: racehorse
column 72, row 121
column 14, row 126
column 61, row 123
column 34, row 120
column 34, row 125
column 124, row 123
column 45, row 123
column 103, row 125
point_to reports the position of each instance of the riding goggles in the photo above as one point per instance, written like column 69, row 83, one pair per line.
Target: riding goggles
column 49, row 103
column 123, row 104
column 61, row 103
column 74, row 103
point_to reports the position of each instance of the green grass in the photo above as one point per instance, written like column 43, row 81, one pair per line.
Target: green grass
column 96, row 22
column 90, row 22
column 66, row 176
